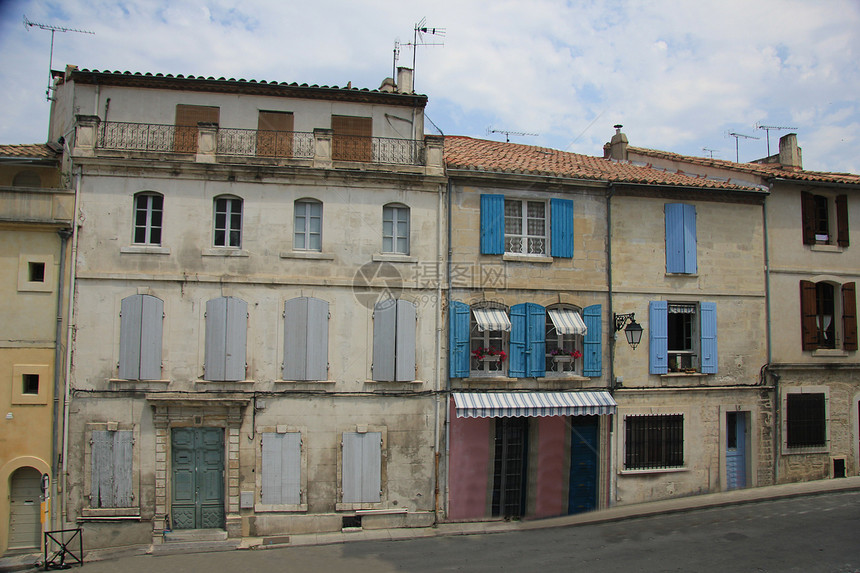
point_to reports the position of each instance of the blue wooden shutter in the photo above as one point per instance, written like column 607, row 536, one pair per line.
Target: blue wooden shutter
column 562, row 228
column 690, row 239
column 458, row 339
column 361, row 470
column 680, row 238
column 492, row 224
column 404, row 367
column 536, row 340
column 592, row 342
column 216, row 335
column 708, row 312
column 130, row 314
column 236, row 339
column 281, row 479
column 517, row 355
column 658, row 336
column 152, row 321
column 384, row 340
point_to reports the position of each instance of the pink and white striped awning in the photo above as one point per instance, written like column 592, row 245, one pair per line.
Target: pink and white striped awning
column 532, row 404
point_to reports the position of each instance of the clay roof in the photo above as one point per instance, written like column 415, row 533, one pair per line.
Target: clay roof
column 479, row 155
column 28, row 151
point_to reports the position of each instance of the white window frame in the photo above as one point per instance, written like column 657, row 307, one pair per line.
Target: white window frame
column 521, row 241
column 395, row 240
column 686, row 357
column 148, row 211
column 227, row 229
column 498, row 340
column 557, row 365
column 303, row 212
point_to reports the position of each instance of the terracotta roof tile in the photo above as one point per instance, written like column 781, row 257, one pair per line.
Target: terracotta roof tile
column 31, row 151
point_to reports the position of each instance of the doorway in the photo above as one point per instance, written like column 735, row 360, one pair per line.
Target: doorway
column 198, row 478
column 510, row 467
column 736, row 450
column 25, row 524
column 582, row 495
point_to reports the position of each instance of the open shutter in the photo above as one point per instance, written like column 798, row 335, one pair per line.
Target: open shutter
column 281, row 468
column 295, row 339
column 658, row 337
column 122, row 467
column 384, row 333
column 517, row 354
column 842, row 220
column 849, row 317
column 317, row 360
column 708, row 311
column 216, row 335
column 535, row 341
column 131, row 310
column 808, row 325
column 807, row 215
column 592, row 344
column 562, row 228
column 236, row 339
column 152, row 320
column 492, row 224
column 458, row 339
column 404, row 367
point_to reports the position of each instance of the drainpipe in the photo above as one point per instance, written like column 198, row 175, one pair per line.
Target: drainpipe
column 56, row 445
column 437, row 386
column 609, row 473
column 447, row 394
column 769, row 342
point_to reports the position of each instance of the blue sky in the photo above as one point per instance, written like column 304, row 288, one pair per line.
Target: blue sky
column 679, row 75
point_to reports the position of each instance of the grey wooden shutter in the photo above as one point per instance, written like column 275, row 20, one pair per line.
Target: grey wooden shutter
column 295, row 339
column 236, row 340
column 122, row 467
column 405, row 342
column 317, row 337
column 362, row 467
column 131, row 310
column 281, row 479
column 111, row 469
column 216, row 334
column 152, row 319
column 384, row 340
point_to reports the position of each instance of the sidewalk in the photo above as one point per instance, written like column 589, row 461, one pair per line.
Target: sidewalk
column 26, row 562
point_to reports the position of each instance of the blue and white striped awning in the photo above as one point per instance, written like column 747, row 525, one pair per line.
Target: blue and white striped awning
column 532, row 404
column 567, row 321
column 492, row 319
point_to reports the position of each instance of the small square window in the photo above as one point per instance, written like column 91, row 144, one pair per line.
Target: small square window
column 36, row 272
column 30, row 384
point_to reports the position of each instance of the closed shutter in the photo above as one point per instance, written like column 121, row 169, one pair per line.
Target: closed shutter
column 562, row 228
column 808, row 310
column 384, row 336
column 152, row 321
column 352, row 138
column 122, row 466
column 187, row 118
column 405, row 342
column 807, row 215
column 281, row 479
column 535, row 340
column 458, row 339
column 492, row 224
column 275, row 134
column 849, row 316
column 842, row 220
column 305, row 339
column 658, row 337
column 111, row 468
column 592, row 344
column 517, row 348
column 708, row 311
column 680, row 238
column 131, row 310
column 362, row 467
column 226, row 338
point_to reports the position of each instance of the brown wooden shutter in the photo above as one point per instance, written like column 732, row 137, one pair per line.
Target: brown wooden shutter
column 352, row 137
column 842, row 220
column 807, row 214
column 809, row 328
column 275, row 134
column 849, row 317
column 187, row 118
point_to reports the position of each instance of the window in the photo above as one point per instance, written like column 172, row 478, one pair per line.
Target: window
column 680, row 238
column 489, row 329
column 307, row 235
column 683, row 337
column 111, row 468
column 516, row 226
column 818, row 213
column 228, row 222
column 305, row 339
column 821, row 305
column 275, row 134
column 362, row 467
column 564, row 329
column 281, row 468
column 147, row 218
column 806, row 420
column 653, row 442
column 36, row 272
column 394, row 341
column 30, row 384
column 395, row 229
column 140, row 337
column 187, row 119
column 352, row 139
column 226, row 338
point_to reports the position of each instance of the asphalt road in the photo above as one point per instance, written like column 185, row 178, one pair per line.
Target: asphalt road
column 816, row 533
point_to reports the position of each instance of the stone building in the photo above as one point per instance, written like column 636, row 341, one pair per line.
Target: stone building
column 257, row 334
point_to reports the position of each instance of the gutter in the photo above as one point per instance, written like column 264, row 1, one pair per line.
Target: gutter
column 56, row 444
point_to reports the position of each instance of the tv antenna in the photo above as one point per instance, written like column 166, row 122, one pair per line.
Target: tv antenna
column 508, row 134
column 421, row 29
column 767, row 128
column 28, row 24
column 737, row 136
column 709, row 151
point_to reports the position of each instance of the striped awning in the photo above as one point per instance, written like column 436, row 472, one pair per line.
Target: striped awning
column 492, row 319
column 532, row 404
column 567, row 321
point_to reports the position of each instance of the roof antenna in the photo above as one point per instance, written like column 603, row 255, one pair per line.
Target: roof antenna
column 28, row 24
column 508, row 134
column 709, row 150
column 420, row 30
column 767, row 128
column 738, row 136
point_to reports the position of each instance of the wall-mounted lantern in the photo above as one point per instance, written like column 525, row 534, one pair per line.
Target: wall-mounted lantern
column 633, row 332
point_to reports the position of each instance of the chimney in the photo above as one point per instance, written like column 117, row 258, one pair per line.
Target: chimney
column 388, row 86
column 404, row 80
column 789, row 153
column 618, row 145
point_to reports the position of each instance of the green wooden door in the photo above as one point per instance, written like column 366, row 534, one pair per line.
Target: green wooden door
column 198, row 478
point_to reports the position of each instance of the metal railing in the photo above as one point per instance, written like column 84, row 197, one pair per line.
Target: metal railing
column 125, row 136
column 377, row 150
column 259, row 143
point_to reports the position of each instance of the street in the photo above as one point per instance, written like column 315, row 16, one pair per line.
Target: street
column 815, row 533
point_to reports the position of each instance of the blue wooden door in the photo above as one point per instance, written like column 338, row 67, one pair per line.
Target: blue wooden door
column 198, row 478
column 582, row 495
column 736, row 450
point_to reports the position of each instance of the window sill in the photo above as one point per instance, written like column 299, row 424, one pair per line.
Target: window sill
column 280, row 508
column 683, row 275
column 393, row 258
column 517, row 258
column 652, row 471
column 305, row 381
column 225, row 252
column 355, row 506
column 144, row 250
column 132, row 381
column 112, row 513
column 394, row 381
column 564, row 376
column 786, row 451
column 826, row 248
column 682, row 375
column 311, row 255
column 829, row 353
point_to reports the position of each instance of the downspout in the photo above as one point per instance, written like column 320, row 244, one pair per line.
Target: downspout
column 56, row 444
column 769, row 342
column 609, row 473
column 437, row 386
column 446, row 395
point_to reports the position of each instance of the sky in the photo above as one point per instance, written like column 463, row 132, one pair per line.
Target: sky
column 679, row 75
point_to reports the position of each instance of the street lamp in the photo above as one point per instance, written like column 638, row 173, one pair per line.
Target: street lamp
column 633, row 332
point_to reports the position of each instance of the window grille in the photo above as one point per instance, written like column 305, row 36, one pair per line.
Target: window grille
column 653, row 442
column 806, row 421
